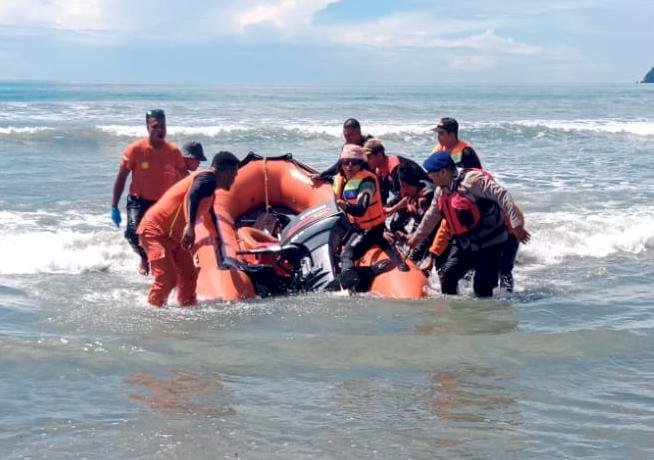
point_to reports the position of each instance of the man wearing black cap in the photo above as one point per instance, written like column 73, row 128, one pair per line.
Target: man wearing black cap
column 463, row 154
column 155, row 164
column 474, row 206
column 193, row 154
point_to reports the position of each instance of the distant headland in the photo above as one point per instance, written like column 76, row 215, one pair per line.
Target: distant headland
column 649, row 78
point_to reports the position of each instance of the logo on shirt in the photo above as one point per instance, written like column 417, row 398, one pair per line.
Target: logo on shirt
column 145, row 165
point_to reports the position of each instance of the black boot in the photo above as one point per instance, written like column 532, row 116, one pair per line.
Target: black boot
column 349, row 278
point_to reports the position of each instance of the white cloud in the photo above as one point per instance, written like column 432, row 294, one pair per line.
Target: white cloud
column 420, row 31
column 59, row 14
column 283, row 14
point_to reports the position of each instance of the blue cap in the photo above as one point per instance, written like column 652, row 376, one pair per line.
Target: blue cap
column 438, row 161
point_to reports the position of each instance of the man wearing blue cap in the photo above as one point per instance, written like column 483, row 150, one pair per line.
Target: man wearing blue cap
column 474, row 206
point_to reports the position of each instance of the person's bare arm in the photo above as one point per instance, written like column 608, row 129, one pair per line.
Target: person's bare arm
column 119, row 185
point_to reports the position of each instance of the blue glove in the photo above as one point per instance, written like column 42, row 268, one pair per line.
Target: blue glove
column 115, row 215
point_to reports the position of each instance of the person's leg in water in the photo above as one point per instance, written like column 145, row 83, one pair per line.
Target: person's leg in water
column 163, row 269
column 454, row 268
column 507, row 261
column 136, row 209
column 187, row 276
column 486, row 263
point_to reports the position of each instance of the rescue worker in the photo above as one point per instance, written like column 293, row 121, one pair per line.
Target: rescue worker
column 360, row 199
column 352, row 135
column 464, row 156
column 193, row 154
column 417, row 195
column 440, row 247
column 387, row 167
column 155, row 165
column 167, row 231
column 475, row 206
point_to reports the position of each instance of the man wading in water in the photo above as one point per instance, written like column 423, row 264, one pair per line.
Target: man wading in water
column 155, row 165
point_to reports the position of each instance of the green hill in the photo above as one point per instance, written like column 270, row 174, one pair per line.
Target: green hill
column 649, row 78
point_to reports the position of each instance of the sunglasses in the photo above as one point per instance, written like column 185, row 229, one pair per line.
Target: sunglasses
column 155, row 113
column 351, row 162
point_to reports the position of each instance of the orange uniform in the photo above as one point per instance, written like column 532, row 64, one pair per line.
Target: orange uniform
column 160, row 233
column 153, row 170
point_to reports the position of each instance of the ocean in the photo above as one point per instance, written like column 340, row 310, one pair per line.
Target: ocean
column 562, row 368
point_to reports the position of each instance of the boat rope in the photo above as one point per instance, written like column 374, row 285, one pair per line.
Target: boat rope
column 265, row 182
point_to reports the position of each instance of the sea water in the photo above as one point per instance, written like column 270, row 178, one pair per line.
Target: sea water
column 562, row 368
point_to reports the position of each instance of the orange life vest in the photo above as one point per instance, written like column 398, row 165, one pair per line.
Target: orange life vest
column 456, row 152
column 392, row 162
column 461, row 213
column 169, row 215
column 374, row 215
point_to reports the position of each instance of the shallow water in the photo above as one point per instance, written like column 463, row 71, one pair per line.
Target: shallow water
column 562, row 368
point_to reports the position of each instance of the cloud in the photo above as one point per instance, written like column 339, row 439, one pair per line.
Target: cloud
column 410, row 30
column 59, row 14
column 286, row 15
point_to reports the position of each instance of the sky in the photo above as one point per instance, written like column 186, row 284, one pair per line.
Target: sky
column 327, row 41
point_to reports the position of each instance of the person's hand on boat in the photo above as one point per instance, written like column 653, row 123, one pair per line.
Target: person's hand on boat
column 522, row 234
column 188, row 237
column 115, row 215
column 341, row 204
column 315, row 178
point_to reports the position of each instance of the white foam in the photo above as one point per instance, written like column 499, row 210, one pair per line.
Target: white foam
column 139, row 130
column 62, row 251
column 68, row 242
column 561, row 235
column 23, row 130
column 311, row 128
column 636, row 127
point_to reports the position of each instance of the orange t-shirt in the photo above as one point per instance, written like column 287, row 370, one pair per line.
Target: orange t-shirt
column 169, row 215
column 153, row 170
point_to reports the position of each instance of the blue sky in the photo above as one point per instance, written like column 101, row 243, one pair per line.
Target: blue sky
column 327, row 41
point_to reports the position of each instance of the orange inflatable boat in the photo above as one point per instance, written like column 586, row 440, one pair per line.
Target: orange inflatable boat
column 279, row 233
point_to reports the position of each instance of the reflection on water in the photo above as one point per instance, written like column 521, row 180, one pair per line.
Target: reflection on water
column 180, row 392
column 468, row 316
column 457, row 409
column 470, row 394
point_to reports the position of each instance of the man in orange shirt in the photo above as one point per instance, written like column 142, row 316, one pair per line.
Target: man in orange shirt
column 167, row 231
column 155, row 165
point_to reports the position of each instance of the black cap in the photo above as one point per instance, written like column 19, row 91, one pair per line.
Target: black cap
column 193, row 150
column 448, row 125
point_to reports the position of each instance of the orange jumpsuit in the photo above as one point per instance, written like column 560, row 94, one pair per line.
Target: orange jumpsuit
column 160, row 233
